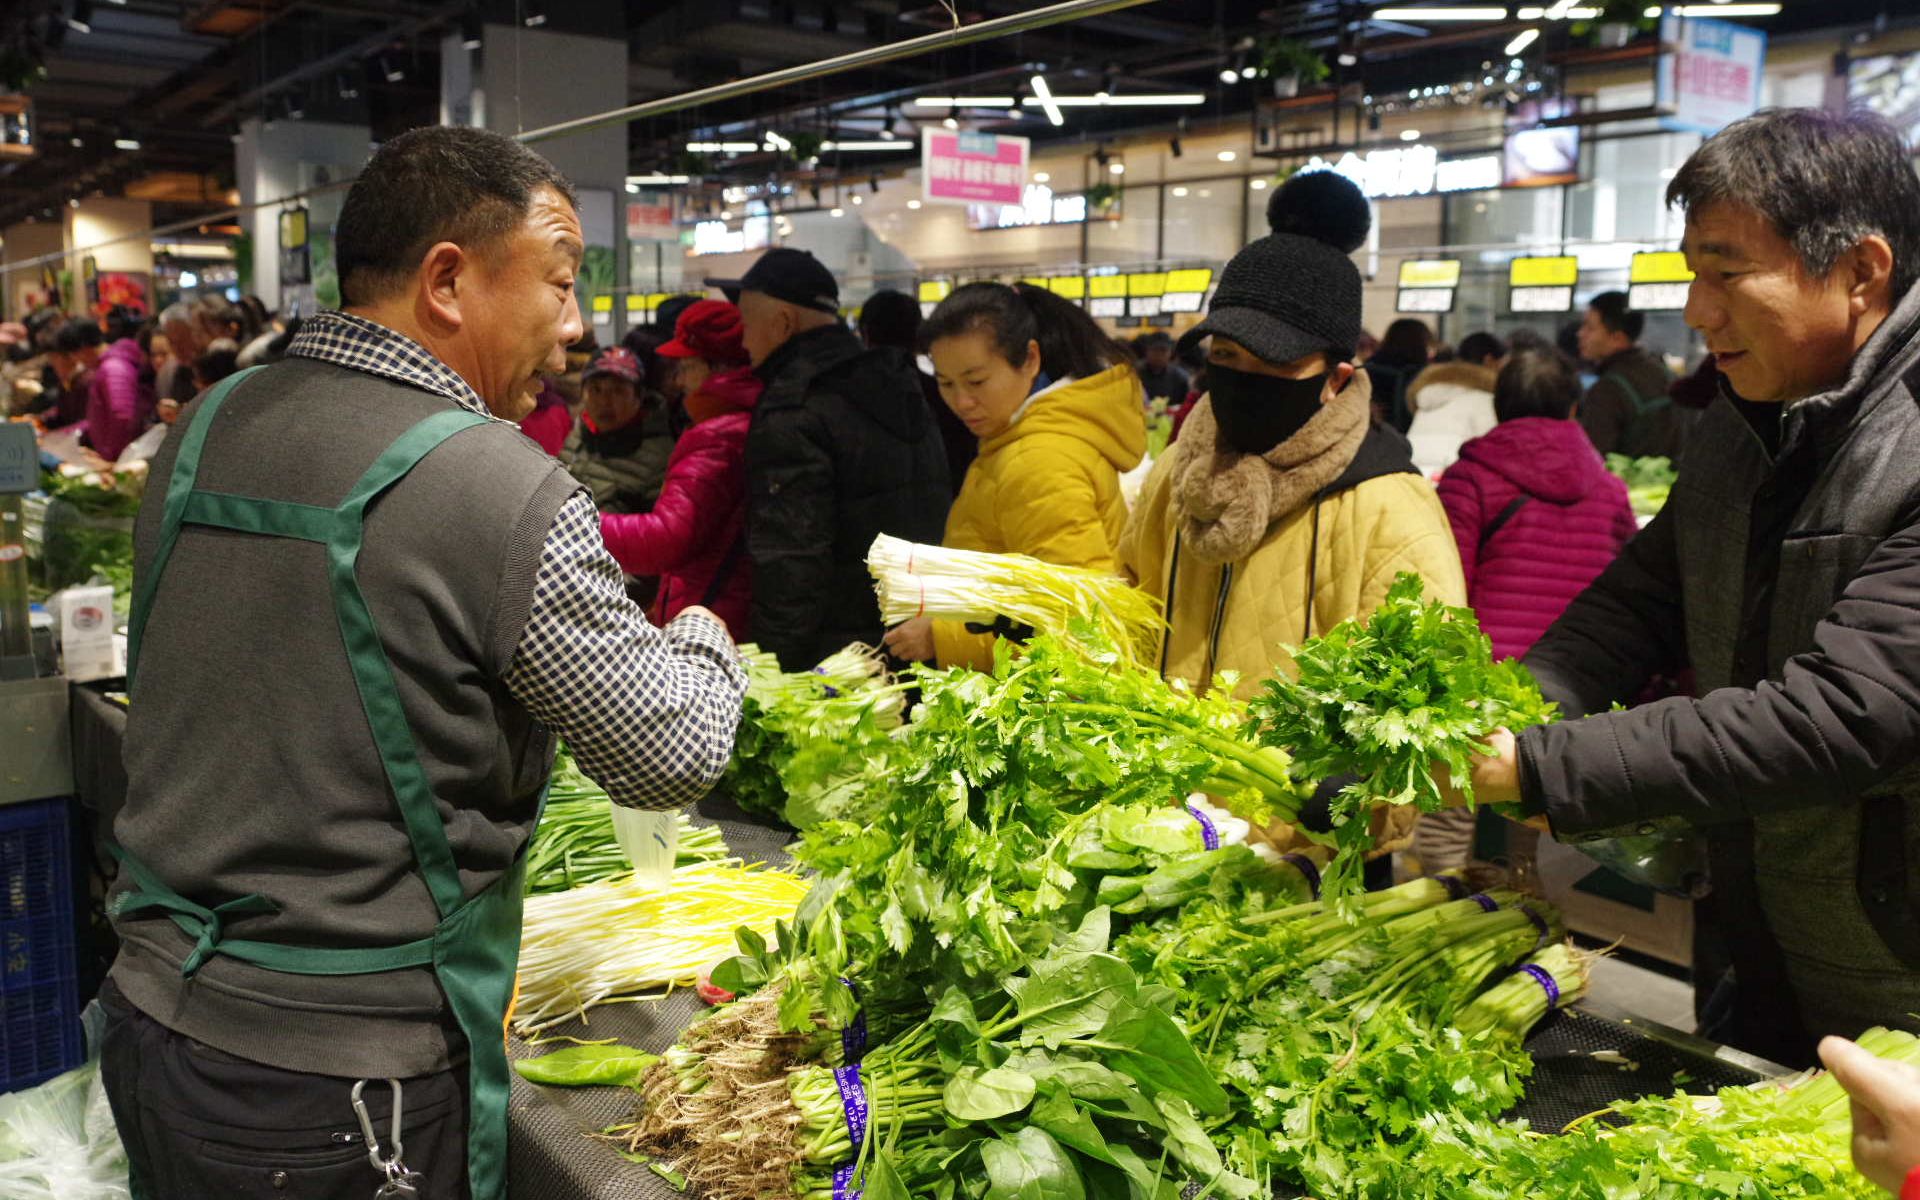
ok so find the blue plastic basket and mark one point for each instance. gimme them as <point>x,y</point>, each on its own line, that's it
<point>39,1001</point>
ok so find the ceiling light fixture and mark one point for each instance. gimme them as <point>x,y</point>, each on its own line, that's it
<point>776,142</point>
<point>1348,58</point>
<point>1042,177</point>
<point>1419,15</point>
<point>1527,37</point>
<point>1043,98</point>
<point>80,20</point>
<point>913,204</point>
<point>1118,168</point>
<point>963,102</point>
<point>1409,135</point>
<point>1258,185</point>
<point>1227,155</point>
<point>1727,10</point>
<point>874,147</point>
<point>859,199</point>
<point>1230,75</point>
<point>534,19</point>
<point>722,147</point>
<point>471,34</point>
<point>1107,100</point>
<point>952,121</point>
<point>655,180</point>
<point>391,69</point>
<point>838,212</point>
<point>126,143</point>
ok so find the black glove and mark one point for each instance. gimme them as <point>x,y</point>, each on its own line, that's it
<point>1004,627</point>
<point>1316,812</point>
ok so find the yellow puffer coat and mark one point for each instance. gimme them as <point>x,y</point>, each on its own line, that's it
<point>1049,487</point>
<point>1237,617</point>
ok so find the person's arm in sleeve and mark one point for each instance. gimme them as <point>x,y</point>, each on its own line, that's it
<point>1843,717</point>
<point>113,409</point>
<point>1624,629</point>
<point>1412,535</point>
<point>1605,412</point>
<point>1461,499</point>
<point>791,522</point>
<point>688,513</point>
<point>1047,510</point>
<point>649,713</point>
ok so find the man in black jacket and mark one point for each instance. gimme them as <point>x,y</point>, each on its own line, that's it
<point>1786,571</point>
<point>842,449</point>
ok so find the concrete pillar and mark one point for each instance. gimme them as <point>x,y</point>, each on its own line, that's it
<point>22,243</point>
<point>281,158</point>
<point>520,79</point>
<point>113,234</point>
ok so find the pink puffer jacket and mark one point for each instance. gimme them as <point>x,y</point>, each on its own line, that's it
<point>1573,521</point>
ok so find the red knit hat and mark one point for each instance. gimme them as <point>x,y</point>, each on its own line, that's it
<point>708,329</point>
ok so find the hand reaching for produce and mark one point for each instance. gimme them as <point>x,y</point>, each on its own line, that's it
<point>1886,1113</point>
<point>1496,774</point>
<point>911,641</point>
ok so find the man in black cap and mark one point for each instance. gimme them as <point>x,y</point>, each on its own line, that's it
<point>842,449</point>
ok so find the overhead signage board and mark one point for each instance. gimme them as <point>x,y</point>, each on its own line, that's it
<point>1658,281</point>
<point>650,217</point>
<point>1398,171</point>
<point>1039,205</point>
<point>1427,285</point>
<point>1537,155</point>
<point>1068,287</point>
<point>1709,73</point>
<point>973,168</point>
<point>932,292</point>
<point>1542,285</point>
<point>1186,290</point>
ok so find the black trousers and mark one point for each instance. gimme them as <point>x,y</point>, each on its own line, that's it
<point>200,1124</point>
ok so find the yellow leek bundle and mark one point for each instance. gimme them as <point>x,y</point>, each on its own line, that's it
<point>624,936</point>
<point>916,580</point>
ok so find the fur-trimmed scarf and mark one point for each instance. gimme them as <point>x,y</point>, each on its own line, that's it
<point>1226,501</point>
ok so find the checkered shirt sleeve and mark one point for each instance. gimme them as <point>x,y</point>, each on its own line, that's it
<point>649,713</point>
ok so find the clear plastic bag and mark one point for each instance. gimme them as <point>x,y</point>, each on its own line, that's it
<point>58,1141</point>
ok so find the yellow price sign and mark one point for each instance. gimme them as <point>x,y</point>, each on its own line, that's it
<point>1660,266</point>
<point>1556,271</point>
<point>933,291</point>
<point>603,304</point>
<point>1068,287</point>
<point>1107,287</point>
<point>1147,283</point>
<point>1430,272</point>
<point>1190,279</point>
<point>636,303</point>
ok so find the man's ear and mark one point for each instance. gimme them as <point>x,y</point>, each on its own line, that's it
<point>1338,377</point>
<point>444,278</point>
<point>1870,281</point>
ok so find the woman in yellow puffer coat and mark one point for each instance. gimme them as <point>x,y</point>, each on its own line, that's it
<point>1060,415</point>
<point>1282,510</point>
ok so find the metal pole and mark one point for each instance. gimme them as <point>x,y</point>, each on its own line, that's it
<point>1039,18</point>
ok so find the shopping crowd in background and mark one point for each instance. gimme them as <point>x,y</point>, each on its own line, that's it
<point>742,454</point>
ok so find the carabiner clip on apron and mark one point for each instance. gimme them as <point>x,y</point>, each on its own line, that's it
<point>476,944</point>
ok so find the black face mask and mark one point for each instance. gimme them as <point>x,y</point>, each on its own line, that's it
<point>1255,413</point>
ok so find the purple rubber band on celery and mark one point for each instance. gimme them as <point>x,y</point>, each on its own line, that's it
<point>1305,866</point>
<point>1547,985</point>
<point>1456,889</point>
<point>1540,923</point>
<point>1487,903</point>
<point>1209,836</point>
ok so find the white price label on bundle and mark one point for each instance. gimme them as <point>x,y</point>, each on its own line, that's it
<point>1657,297</point>
<point>1424,300</point>
<point>1541,299</point>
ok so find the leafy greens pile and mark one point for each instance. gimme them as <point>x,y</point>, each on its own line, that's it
<point>1389,699</point>
<point>1648,480</point>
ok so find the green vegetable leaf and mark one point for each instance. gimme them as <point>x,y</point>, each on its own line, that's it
<point>588,1066</point>
<point>1070,995</point>
<point>1145,1044</point>
<point>974,1094</point>
<point>1029,1165</point>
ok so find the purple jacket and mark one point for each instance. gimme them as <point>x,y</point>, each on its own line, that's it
<point>120,399</point>
<point>1573,522</point>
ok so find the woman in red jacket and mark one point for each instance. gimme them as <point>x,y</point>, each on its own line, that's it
<point>694,538</point>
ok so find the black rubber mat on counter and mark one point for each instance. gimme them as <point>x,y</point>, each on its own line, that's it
<point>1636,1059</point>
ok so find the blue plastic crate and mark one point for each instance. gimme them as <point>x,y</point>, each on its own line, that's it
<point>39,1001</point>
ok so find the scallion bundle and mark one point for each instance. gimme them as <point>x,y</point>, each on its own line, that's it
<point>916,580</point>
<point>623,937</point>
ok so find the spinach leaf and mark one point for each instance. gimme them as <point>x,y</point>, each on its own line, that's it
<point>588,1066</point>
<point>977,1094</point>
<point>1029,1165</point>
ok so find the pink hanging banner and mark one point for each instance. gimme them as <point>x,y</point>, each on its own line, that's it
<point>972,168</point>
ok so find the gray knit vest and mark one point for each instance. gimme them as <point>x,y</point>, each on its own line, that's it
<point>250,764</point>
<point>1830,920</point>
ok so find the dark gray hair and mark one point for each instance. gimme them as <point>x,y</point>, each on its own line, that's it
<point>1823,180</point>
<point>1535,383</point>
<point>435,184</point>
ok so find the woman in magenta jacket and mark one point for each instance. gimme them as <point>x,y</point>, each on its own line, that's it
<point>1535,513</point>
<point>694,538</point>
<point>120,398</point>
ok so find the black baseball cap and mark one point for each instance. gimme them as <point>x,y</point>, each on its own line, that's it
<point>794,276</point>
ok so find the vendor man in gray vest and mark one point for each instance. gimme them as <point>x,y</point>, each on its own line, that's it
<point>365,607</point>
<point>1786,571</point>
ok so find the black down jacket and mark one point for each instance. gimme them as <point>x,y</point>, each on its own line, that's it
<point>842,449</point>
<point>1787,574</point>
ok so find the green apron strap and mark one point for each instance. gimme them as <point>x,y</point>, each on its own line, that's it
<point>186,470</point>
<point>274,518</point>
<point>204,925</point>
<point>373,673</point>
